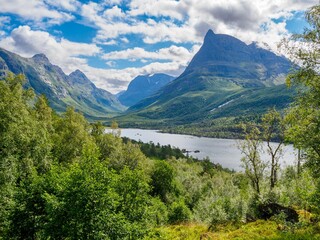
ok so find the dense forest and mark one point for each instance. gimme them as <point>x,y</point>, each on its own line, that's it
<point>62,177</point>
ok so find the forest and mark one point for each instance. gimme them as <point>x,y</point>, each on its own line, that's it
<point>62,177</point>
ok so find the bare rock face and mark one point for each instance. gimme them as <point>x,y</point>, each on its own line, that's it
<point>41,58</point>
<point>3,68</point>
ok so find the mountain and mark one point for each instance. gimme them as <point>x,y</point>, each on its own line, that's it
<point>142,87</point>
<point>61,90</point>
<point>226,78</point>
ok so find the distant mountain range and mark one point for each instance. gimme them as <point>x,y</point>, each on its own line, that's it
<point>142,87</point>
<point>61,90</point>
<point>225,78</point>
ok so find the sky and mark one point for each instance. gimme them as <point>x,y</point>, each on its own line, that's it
<point>113,41</point>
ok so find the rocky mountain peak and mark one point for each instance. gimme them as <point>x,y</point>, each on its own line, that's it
<point>77,73</point>
<point>41,58</point>
<point>78,77</point>
<point>209,35</point>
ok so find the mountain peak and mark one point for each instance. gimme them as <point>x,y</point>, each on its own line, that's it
<point>78,73</point>
<point>41,58</point>
<point>144,86</point>
<point>209,35</point>
<point>78,77</point>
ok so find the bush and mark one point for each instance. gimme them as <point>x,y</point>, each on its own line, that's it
<point>179,212</point>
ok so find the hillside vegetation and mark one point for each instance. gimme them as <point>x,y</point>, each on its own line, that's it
<point>63,178</point>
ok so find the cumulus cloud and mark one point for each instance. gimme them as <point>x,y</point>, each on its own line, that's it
<point>62,52</point>
<point>173,53</point>
<point>111,63</point>
<point>188,20</point>
<point>114,13</point>
<point>152,31</point>
<point>157,8</point>
<point>67,55</point>
<point>4,20</point>
<point>69,5</point>
<point>34,10</point>
<point>115,80</point>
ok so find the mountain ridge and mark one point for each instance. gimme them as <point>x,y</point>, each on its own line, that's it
<point>62,90</point>
<point>224,70</point>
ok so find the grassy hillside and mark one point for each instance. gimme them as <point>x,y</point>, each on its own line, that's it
<point>214,113</point>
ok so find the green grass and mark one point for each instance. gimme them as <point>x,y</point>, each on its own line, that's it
<point>258,230</point>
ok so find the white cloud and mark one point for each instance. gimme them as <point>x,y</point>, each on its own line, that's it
<point>188,20</point>
<point>112,2</point>
<point>69,5</point>
<point>125,40</point>
<point>115,80</point>
<point>67,55</point>
<point>151,31</point>
<point>173,53</point>
<point>111,63</point>
<point>157,8</point>
<point>4,20</point>
<point>35,10</point>
<point>61,52</point>
<point>152,21</point>
<point>106,43</point>
<point>114,13</point>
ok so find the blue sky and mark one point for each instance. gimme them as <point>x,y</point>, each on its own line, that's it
<point>113,41</point>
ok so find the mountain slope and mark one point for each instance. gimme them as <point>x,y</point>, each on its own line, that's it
<point>225,73</point>
<point>142,87</point>
<point>61,90</point>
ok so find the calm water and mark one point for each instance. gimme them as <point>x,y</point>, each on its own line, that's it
<point>223,151</point>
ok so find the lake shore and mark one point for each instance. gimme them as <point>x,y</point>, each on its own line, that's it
<point>219,150</point>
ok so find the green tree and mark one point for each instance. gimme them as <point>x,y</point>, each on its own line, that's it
<point>126,155</point>
<point>273,129</point>
<point>43,115</point>
<point>251,147</point>
<point>179,212</point>
<point>115,129</point>
<point>72,133</point>
<point>133,189</point>
<point>304,115</point>
<point>25,142</point>
<point>83,199</point>
<point>162,180</point>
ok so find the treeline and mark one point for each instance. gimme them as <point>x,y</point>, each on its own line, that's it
<point>158,151</point>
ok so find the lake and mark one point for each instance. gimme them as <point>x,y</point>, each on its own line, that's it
<point>223,151</point>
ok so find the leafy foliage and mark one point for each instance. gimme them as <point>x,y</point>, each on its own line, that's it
<point>303,117</point>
